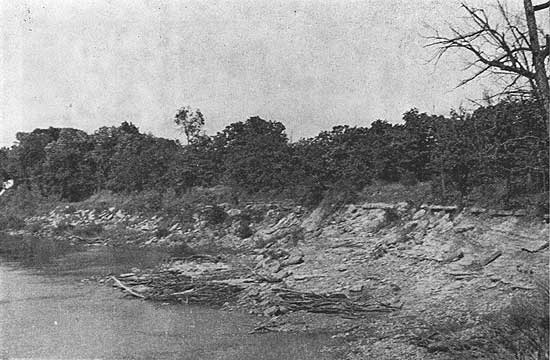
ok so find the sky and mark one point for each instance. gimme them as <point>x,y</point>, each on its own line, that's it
<point>308,64</point>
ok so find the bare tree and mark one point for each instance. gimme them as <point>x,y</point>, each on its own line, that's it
<point>509,49</point>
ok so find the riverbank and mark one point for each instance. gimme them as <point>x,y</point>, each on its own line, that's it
<point>394,280</point>
<point>47,311</point>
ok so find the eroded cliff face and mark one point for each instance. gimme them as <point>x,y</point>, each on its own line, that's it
<point>413,265</point>
<point>433,263</point>
<point>505,248</point>
<point>390,252</point>
<point>428,252</point>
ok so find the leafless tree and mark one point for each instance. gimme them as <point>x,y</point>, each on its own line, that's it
<point>507,46</point>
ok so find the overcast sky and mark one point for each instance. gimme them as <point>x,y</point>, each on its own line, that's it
<point>308,64</point>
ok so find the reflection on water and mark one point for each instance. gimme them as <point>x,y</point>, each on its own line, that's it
<point>46,312</point>
<point>61,258</point>
<point>30,249</point>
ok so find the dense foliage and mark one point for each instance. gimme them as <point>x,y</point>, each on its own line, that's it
<point>499,151</point>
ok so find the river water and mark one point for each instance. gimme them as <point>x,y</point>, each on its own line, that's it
<point>48,312</point>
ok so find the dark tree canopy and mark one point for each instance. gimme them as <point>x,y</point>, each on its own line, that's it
<point>500,149</point>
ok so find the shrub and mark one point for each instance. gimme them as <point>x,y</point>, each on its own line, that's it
<point>392,216</point>
<point>214,215</point>
<point>34,227</point>
<point>408,178</point>
<point>519,331</point>
<point>183,207</point>
<point>180,248</point>
<point>253,214</point>
<point>243,230</point>
<point>162,231</point>
<point>296,235</point>
<point>23,202</point>
<point>204,196</point>
<point>62,227</point>
<point>308,196</point>
<point>88,229</point>
<point>11,221</point>
<point>68,209</point>
<point>103,200</point>
<point>522,329</point>
<point>143,202</point>
<point>540,204</point>
<point>335,199</point>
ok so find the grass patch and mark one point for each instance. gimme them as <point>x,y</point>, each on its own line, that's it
<point>520,331</point>
<point>416,194</point>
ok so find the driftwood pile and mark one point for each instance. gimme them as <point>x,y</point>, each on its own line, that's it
<point>192,291</point>
<point>179,288</point>
<point>124,287</point>
<point>289,300</point>
<point>337,303</point>
<point>198,281</point>
<point>166,286</point>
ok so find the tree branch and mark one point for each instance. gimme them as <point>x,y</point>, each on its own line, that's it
<point>505,50</point>
<point>542,6</point>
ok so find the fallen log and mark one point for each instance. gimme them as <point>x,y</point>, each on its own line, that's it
<point>126,288</point>
<point>338,304</point>
<point>262,329</point>
<point>203,292</point>
<point>451,208</point>
<point>376,206</point>
<point>453,257</point>
<point>462,275</point>
<point>491,258</point>
<point>542,247</point>
<point>183,292</point>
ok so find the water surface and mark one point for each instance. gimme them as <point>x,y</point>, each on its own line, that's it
<point>46,311</point>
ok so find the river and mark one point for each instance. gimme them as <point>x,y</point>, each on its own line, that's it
<point>48,312</point>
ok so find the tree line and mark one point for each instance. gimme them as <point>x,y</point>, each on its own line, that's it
<point>500,149</point>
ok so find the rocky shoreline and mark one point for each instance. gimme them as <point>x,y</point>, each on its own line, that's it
<point>380,275</point>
